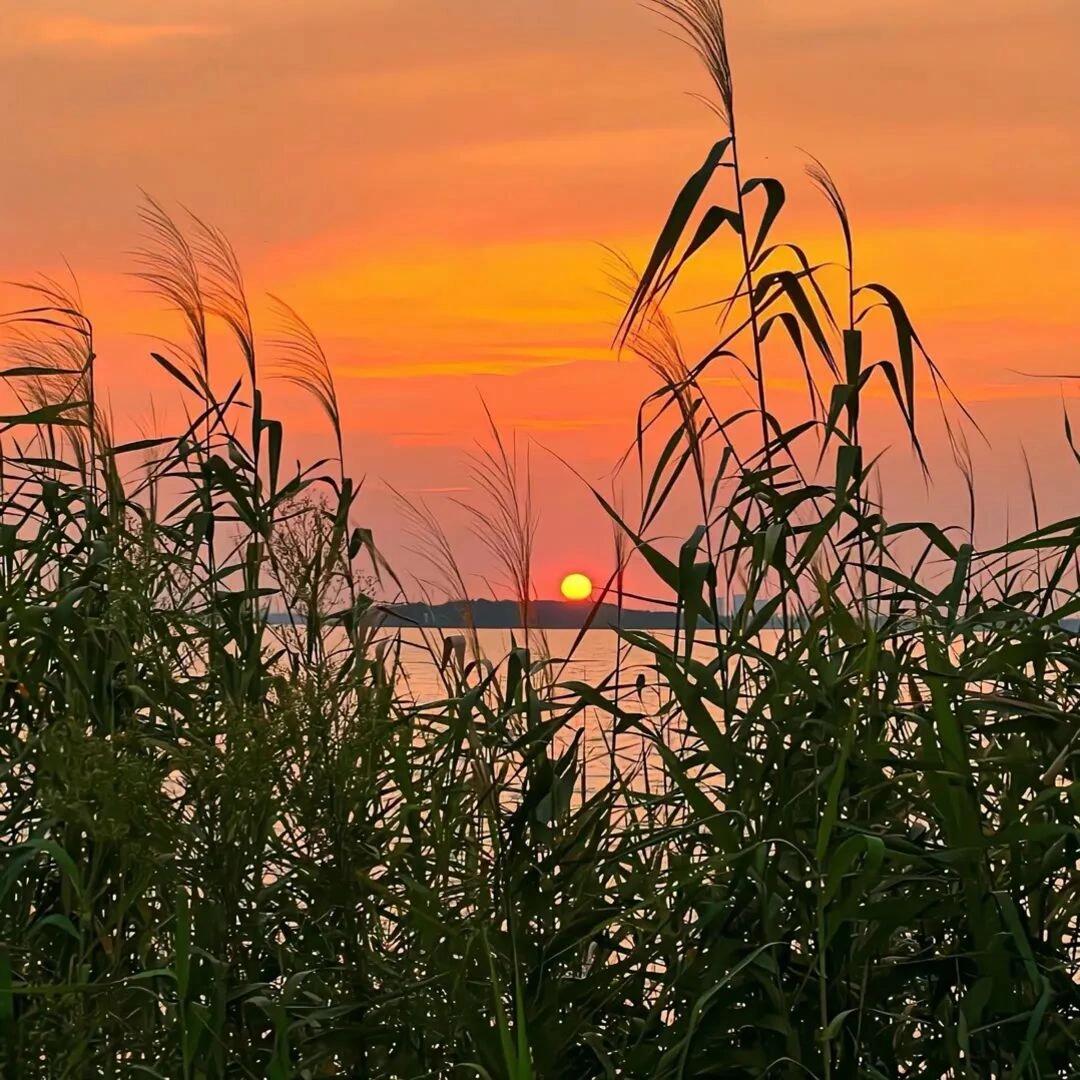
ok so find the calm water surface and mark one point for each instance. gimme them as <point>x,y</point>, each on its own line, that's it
<point>591,661</point>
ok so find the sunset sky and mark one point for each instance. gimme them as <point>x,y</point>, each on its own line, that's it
<point>430,184</point>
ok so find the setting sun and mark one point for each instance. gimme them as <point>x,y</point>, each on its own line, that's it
<point>576,587</point>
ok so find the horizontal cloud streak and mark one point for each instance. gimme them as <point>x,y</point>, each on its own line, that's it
<point>30,33</point>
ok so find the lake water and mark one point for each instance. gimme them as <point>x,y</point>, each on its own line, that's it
<point>592,661</point>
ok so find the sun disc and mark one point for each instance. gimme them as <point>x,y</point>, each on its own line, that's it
<point>576,587</point>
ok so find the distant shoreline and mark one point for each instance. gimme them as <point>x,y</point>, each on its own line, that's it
<point>506,615</point>
<point>543,615</point>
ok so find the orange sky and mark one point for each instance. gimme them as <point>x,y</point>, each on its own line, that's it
<point>429,183</point>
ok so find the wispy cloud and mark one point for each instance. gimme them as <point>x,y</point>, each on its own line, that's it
<point>70,31</point>
<point>425,438</point>
<point>474,362</point>
<point>554,423</point>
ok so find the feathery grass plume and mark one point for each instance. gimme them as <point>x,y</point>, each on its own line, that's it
<point>434,545</point>
<point>655,341</point>
<point>704,30</point>
<point>221,283</point>
<point>824,182</point>
<point>169,266</point>
<point>225,297</point>
<point>506,523</point>
<point>822,179</point>
<point>302,362</point>
<point>700,23</point>
<point>52,345</point>
<point>653,338</point>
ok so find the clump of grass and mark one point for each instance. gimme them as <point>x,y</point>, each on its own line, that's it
<point>870,774</point>
<point>231,848</point>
